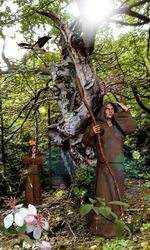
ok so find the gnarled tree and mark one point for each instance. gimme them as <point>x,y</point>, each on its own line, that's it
<point>77,45</point>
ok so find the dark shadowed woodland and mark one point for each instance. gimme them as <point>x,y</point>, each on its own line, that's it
<point>48,92</point>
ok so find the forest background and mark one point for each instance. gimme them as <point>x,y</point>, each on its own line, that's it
<point>106,49</point>
<point>39,97</point>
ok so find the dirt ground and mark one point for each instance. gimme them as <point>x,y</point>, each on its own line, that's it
<point>68,229</point>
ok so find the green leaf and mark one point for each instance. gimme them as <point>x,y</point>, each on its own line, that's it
<point>120,203</point>
<point>127,228</point>
<point>96,210</point>
<point>22,230</point>
<point>21,243</point>
<point>120,226</point>
<point>76,190</point>
<point>147,63</point>
<point>85,209</point>
<point>104,211</point>
<point>146,225</point>
<point>10,230</point>
<point>92,200</point>
<point>101,201</point>
<point>115,216</point>
<point>3,229</point>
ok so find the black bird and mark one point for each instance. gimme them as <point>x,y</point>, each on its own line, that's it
<point>37,45</point>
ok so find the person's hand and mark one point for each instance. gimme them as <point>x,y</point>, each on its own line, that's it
<point>33,156</point>
<point>123,106</point>
<point>96,129</point>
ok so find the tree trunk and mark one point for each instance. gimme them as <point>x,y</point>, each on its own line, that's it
<point>75,65</point>
<point>49,146</point>
<point>3,149</point>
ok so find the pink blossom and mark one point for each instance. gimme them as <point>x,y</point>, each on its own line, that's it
<point>19,216</point>
<point>45,245</point>
<point>11,202</point>
<point>62,185</point>
<point>15,215</point>
<point>35,222</point>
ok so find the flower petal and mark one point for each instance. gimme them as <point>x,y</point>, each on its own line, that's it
<point>19,206</point>
<point>37,232</point>
<point>30,219</point>
<point>19,220</point>
<point>45,245</point>
<point>46,225</point>
<point>29,228</point>
<point>8,220</point>
<point>23,212</point>
<point>32,209</point>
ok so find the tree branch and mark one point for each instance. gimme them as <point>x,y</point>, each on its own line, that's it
<point>138,3</point>
<point>36,97</point>
<point>53,17</point>
<point>15,69</point>
<point>129,12</point>
<point>148,44</point>
<point>99,142</point>
<point>128,24</point>
<point>139,101</point>
<point>5,59</point>
<point>139,16</point>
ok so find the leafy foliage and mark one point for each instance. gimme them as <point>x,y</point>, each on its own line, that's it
<point>137,167</point>
<point>118,244</point>
<point>100,207</point>
<point>83,181</point>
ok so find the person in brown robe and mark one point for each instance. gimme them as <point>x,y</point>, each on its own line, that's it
<point>113,126</point>
<point>33,163</point>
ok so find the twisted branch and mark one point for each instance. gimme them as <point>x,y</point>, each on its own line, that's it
<point>81,92</point>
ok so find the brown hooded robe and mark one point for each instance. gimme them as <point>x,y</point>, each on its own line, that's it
<point>112,142</point>
<point>33,184</point>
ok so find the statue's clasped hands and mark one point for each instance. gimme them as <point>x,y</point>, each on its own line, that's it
<point>33,156</point>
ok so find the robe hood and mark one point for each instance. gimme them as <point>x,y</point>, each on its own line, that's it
<point>101,115</point>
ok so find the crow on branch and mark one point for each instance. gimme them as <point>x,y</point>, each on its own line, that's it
<point>37,45</point>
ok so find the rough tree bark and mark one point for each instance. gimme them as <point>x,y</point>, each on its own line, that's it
<point>75,63</point>
<point>77,46</point>
<point>2,152</point>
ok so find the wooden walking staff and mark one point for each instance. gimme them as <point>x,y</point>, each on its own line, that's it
<point>81,92</point>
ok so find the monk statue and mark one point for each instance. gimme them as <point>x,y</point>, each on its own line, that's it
<point>33,163</point>
<point>113,127</point>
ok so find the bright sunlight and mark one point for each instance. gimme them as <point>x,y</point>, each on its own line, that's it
<point>96,9</point>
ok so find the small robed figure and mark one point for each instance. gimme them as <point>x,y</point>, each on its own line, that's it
<point>33,162</point>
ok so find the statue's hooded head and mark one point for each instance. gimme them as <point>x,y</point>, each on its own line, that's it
<point>33,149</point>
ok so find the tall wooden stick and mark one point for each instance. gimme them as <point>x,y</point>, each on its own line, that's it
<point>81,92</point>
